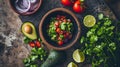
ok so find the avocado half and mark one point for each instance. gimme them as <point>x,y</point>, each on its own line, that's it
<point>33,34</point>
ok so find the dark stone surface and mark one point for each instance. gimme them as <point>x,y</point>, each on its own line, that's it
<point>12,48</point>
<point>15,50</point>
<point>93,7</point>
<point>115,7</point>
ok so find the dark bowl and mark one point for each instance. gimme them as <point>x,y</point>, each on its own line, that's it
<point>11,2</point>
<point>46,21</point>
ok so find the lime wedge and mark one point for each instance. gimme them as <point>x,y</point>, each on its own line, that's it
<point>78,56</point>
<point>71,64</point>
<point>89,21</point>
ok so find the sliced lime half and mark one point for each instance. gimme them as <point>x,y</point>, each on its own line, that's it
<point>89,20</point>
<point>71,64</point>
<point>78,56</point>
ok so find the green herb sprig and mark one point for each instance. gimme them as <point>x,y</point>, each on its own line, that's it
<point>36,55</point>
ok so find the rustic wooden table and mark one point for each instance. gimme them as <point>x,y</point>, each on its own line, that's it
<point>14,49</point>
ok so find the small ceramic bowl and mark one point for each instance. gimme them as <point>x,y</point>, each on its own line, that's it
<point>46,21</point>
<point>12,4</point>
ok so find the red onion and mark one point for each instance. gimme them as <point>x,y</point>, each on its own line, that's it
<point>33,4</point>
<point>22,5</point>
<point>33,7</point>
<point>25,5</point>
<point>33,1</point>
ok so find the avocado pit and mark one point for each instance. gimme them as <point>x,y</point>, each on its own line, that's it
<point>28,29</point>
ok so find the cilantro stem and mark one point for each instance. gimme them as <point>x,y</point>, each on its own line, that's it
<point>110,50</point>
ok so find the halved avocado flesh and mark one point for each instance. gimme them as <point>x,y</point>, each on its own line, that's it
<point>31,35</point>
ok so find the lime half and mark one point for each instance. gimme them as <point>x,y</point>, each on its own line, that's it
<point>71,64</point>
<point>89,21</point>
<point>78,56</point>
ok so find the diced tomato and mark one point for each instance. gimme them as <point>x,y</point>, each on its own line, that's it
<point>65,20</point>
<point>57,18</point>
<point>62,36</point>
<point>32,44</point>
<point>60,43</point>
<point>63,17</point>
<point>67,34</point>
<point>59,38</point>
<point>37,43</point>
<point>61,32</point>
<point>56,24</point>
<point>64,31</point>
<point>60,22</point>
<point>58,30</point>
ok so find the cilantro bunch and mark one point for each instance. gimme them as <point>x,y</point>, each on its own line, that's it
<point>100,43</point>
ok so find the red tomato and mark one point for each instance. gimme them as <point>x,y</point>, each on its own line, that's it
<point>58,30</point>
<point>63,17</point>
<point>60,43</point>
<point>59,38</point>
<point>65,36</point>
<point>78,7</point>
<point>60,21</point>
<point>67,2</point>
<point>57,18</point>
<point>56,24</point>
<point>61,32</point>
<point>37,43</point>
<point>64,20</point>
<point>32,44</point>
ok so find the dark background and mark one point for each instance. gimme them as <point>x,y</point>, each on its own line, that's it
<point>10,22</point>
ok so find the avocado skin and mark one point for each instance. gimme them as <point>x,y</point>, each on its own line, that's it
<point>31,36</point>
<point>54,58</point>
